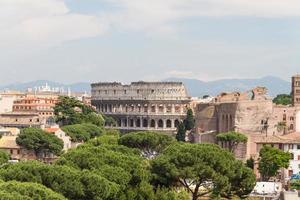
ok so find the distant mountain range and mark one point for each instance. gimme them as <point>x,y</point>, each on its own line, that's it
<point>196,88</point>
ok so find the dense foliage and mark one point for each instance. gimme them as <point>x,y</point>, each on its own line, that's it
<point>206,166</point>
<point>283,99</point>
<point>233,139</point>
<point>13,190</point>
<point>4,157</point>
<point>189,122</point>
<point>110,167</point>
<point>69,111</point>
<point>40,141</point>
<point>271,160</point>
<point>150,143</point>
<point>82,132</point>
<point>181,132</point>
<point>72,183</point>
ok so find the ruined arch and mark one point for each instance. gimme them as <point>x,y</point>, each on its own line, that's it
<point>145,123</point>
<point>153,123</point>
<point>160,123</point>
<point>169,123</point>
<point>176,123</point>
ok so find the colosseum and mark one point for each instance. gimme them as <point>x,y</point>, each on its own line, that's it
<point>141,105</point>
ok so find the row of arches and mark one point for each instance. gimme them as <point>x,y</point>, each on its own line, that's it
<point>141,108</point>
<point>147,123</point>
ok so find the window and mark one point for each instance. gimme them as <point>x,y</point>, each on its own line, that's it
<point>291,146</point>
<point>298,157</point>
<point>298,146</point>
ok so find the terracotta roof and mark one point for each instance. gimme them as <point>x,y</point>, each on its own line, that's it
<point>9,142</point>
<point>291,138</point>
<point>51,130</point>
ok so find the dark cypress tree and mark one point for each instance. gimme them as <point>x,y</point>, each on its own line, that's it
<point>180,136</point>
<point>189,122</point>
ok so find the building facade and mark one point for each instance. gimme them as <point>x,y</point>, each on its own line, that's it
<point>31,104</point>
<point>156,106</point>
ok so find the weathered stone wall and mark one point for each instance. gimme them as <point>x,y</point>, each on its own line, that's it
<point>142,105</point>
<point>139,90</point>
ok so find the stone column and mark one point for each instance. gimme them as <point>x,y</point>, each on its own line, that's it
<point>156,108</point>
<point>173,109</point>
<point>164,108</point>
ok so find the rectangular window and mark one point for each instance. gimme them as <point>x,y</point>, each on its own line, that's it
<point>298,146</point>
<point>291,146</point>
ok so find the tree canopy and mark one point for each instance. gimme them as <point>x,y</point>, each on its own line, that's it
<point>82,132</point>
<point>181,132</point>
<point>4,157</point>
<point>283,99</point>
<point>40,141</point>
<point>189,122</point>
<point>13,190</point>
<point>233,139</point>
<point>271,160</point>
<point>72,183</point>
<point>150,143</point>
<point>206,166</point>
<point>69,111</point>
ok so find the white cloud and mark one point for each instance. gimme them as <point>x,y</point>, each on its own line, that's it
<point>43,23</point>
<point>156,15</point>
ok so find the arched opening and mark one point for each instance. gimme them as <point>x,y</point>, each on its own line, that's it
<point>125,123</point>
<point>169,123</point>
<point>119,122</point>
<point>131,122</point>
<point>153,108</point>
<point>176,123</point>
<point>160,123</point>
<point>138,123</point>
<point>152,123</point>
<point>145,123</point>
<point>161,108</point>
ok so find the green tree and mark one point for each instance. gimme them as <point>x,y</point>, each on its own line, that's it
<point>72,183</point>
<point>118,165</point>
<point>4,157</point>
<point>82,132</point>
<point>195,166</point>
<point>189,122</point>
<point>150,143</point>
<point>281,126</point>
<point>94,118</point>
<point>69,110</point>
<point>283,99</point>
<point>250,163</point>
<point>14,190</point>
<point>40,141</point>
<point>181,131</point>
<point>233,139</point>
<point>110,121</point>
<point>271,160</point>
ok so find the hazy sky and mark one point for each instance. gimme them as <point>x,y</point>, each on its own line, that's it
<point>129,40</point>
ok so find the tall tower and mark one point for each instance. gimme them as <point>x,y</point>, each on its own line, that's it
<point>296,90</point>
